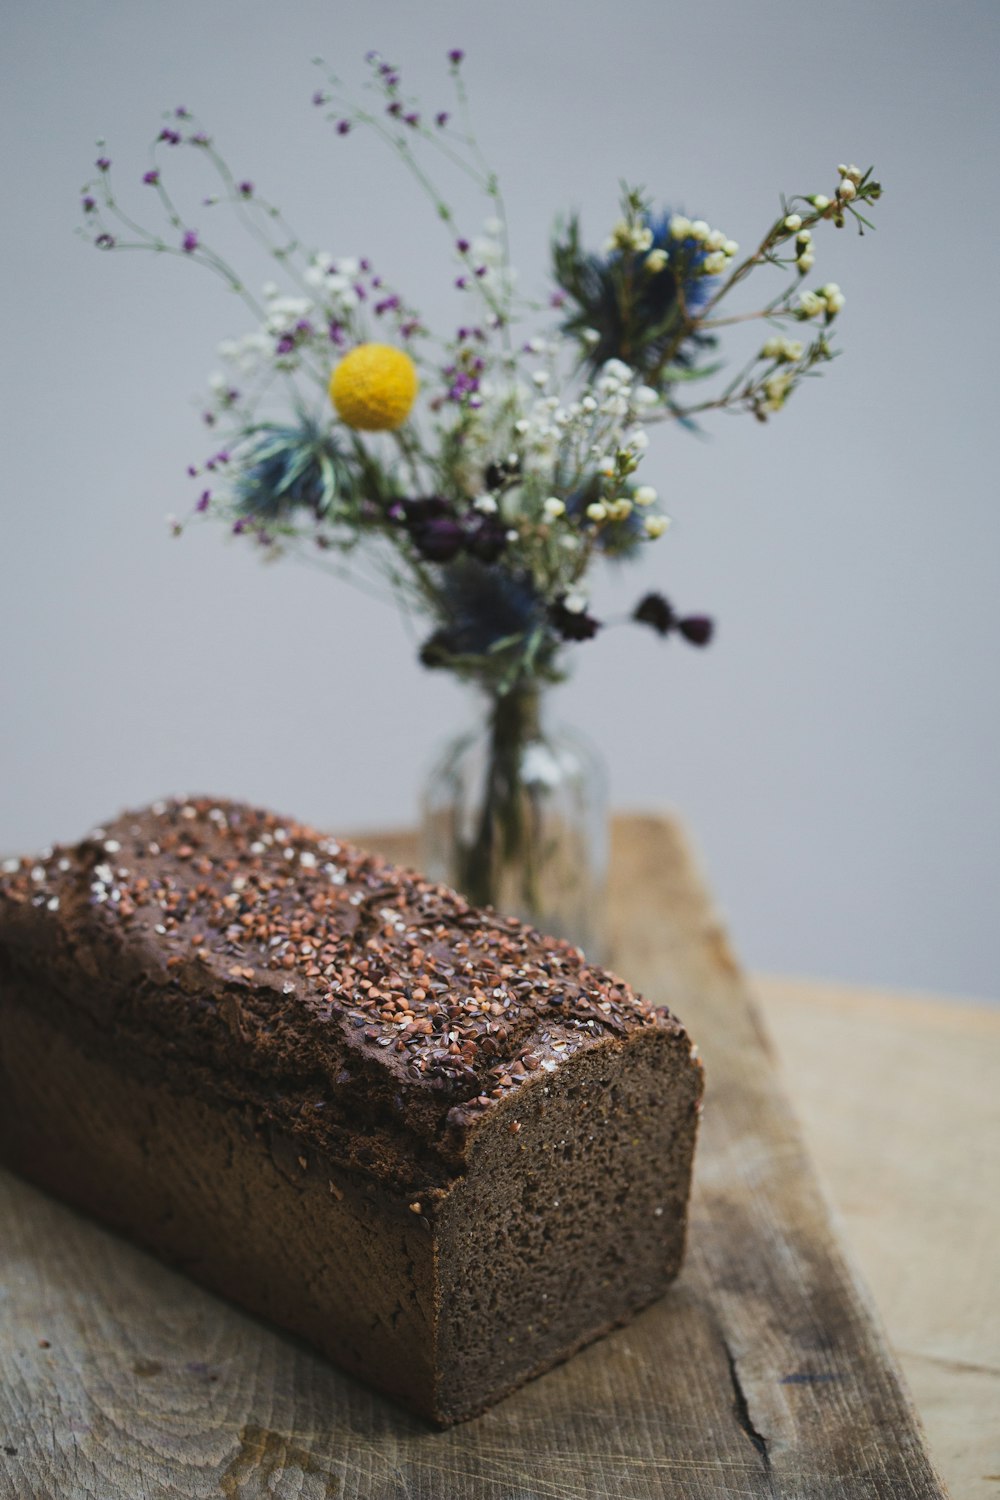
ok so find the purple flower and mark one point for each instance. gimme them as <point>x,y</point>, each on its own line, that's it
<point>442,118</point>
<point>285,344</point>
<point>336,332</point>
<point>152,177</point>
<point>461,282</point>
<point>239,527</point>
<point>395,108</point>
<point>102,163</point>
<point>409,328</point>
<point>319,98</point>
<point>455,56</point>
<point>246,189</point>
<point>199,139</point>
<point>573,625</point>
<point>488,540</point>
<point>558,299</point>
<point>343,126</point>
<point>657,612</point>
<point>88,205</point>
<point>359,291</point>
<point>654,610</point>
<point>696,629</point>
<point>182,113</point>
<point>172,137</point>
<point>439,540</point>
<point>388,304</point>
<point>413,120</point>
<point>190,241</point>
<point>105,242</point>
<point>462,246</point>
<point>365,265</point>
<point>203,500</point>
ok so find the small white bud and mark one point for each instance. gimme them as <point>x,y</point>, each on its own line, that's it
<point>540,378</point>
<point>810,304</point>
<point>730,248</point>
<point>803,237</point>
<point>597,511</point>
<point>553,508</point>
<point>620,509</point>
<point>642,239</point>
<point>655,261</point>
<point>714,263</point>
<point>644,495</point>
<point>575,602</point>
<point>820,201</point>
<point>715,240</point>
<point>591,336</point>
<point>700,230</point>
<point>521,427</point>
<point>588,404</point>
<point>847,190</point>
<point>793,222</point>
<point>806,261</point>
<point>485,504</point>
<point>680,228</point>
<point>655,526</point>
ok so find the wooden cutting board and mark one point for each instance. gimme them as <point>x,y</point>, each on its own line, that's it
<point>764,1372</point>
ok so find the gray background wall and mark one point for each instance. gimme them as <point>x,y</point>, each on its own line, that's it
<point>835,754</point>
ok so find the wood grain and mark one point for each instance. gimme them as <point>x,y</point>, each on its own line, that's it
<point>899,1097</point>
<point>764,1372</point>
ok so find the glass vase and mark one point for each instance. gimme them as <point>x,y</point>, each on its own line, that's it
<point>515,817</point>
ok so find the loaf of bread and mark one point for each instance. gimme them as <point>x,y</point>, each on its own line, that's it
<point>436,1144</point>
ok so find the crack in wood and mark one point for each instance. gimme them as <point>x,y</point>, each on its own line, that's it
<point>742,1408</point>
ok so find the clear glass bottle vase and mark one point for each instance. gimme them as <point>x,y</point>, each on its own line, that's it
<point>515,816</point>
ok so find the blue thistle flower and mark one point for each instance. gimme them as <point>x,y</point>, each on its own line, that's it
<point>483,606</point>
<point>634,310</point>
<point>286,468</point>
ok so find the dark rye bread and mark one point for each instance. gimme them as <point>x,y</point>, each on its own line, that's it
<point>438,1145</point>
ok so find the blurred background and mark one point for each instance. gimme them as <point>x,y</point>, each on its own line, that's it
<point>834,754</point>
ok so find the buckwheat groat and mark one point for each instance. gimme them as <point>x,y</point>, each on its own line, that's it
<point>438,1145</point>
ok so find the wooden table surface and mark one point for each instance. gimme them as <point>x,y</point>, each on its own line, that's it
<point>899,1100</point>
<point>764,1374</point>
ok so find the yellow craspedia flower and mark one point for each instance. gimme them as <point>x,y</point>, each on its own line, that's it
<point>374,387</point>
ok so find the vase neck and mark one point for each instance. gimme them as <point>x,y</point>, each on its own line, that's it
<point>516,717</point>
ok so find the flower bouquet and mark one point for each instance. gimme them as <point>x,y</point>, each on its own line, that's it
<point>479,478</point>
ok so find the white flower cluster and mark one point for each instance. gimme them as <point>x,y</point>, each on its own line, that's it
<point>334,278</point>
<point>804,257</point>
<point>850,179</point>
<point>776,389</point>
<point>248,354</point>
<point>785,351</point>
<point>600,431</point>
<point>827,299</point>
<point>629,237</point>
<point>720,248</point>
